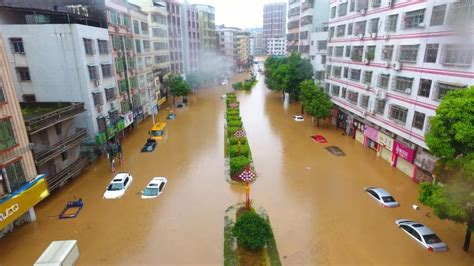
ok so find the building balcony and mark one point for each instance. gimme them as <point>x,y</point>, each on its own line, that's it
<point>39,116</point>
<point>44,154</point>
<point>74,169</point>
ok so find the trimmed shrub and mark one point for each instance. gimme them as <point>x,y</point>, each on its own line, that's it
<point>234,123</point>
<point>233,112</point>
<point>252,231</point>
<point>233,141</point>
<point>233,118</point>
<point>244,150</point>
<point>237,164</point>
<point>231,131</point>
<point>237,85</point>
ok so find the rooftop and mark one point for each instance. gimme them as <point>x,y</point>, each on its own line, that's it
<point>40,115</point>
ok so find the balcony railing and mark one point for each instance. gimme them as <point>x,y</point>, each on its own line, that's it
<point>36,122</point>
<point>51,152</point>
<point>71,171</point>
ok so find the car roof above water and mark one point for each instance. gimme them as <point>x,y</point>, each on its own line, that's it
<point>382,192</point>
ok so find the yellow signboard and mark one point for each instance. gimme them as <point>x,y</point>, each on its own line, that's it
<point>161,101</point>
<point>20,201</point>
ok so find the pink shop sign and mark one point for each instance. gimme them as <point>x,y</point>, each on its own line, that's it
<point>403,151</point>
<point>371,133</point>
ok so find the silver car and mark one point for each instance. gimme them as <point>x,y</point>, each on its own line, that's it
<point>382,197</point>
<point>422,234</point>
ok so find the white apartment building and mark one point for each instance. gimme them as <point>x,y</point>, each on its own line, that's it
<point>64,63</point>
<point>389,63</point>
<point>317,54</point>
<point>276,46</point>
<point>227,44</point>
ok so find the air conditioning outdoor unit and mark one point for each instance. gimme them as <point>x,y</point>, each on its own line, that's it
<point>96,82</point>
<point>397,66</point>
<point>373,35</point>
<point>386,64</point>
<point>113,106</point>
<point>363,11</point>
<point>391,3</point>
<point>380,94</point>
<point>360,36</point>
<point>364,112</point>
<point>365,61</point>
<point>408,90</point>
<point>366,86</point>
<point>386,37</point>
<point>421,25</point>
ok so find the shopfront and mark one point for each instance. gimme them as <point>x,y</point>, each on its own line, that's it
<point>402,158</point>
<point>341,119</point>
<point>19,202</point>
<point>425,164</point>
<point>359,130</point>
<point>385,147</point>
<point>138,115</point>
<point>371,136</point>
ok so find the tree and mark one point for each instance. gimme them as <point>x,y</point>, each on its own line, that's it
<point>451,139</point>
<point>177,85</point>
<point>252,231</point>
<point>315,101</point>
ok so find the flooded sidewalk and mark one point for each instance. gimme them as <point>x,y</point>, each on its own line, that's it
<point>318,210</point>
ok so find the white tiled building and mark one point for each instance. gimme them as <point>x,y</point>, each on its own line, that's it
<point>389,63</point>
<point>276,46</point>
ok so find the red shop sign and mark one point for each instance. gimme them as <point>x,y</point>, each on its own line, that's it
<point>403,151</point>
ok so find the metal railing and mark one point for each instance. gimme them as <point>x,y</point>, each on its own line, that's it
<point>42,121</point>
<point>52,151</point>
<point>71,171</point>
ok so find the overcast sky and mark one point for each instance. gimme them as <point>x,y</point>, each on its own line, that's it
<point>238,13</point>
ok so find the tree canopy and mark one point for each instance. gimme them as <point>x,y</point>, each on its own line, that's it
<point>315,101</point>
<point>451,139</point>
<point>177,85</point>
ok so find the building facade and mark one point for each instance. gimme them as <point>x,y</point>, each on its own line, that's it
<point>274,22</point>
<point>207,27</point>
<point>389,64</point>
<point>228,46</point>
<point>191,38</point>
<point>276,46</point>
<point>242,41</point>
<point>175,36</point>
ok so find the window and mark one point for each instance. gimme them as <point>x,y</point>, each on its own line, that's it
<point>398,113</point>
<point>64,156</point>
<point>110,94</point>
<point>144,28</point>
<point>319,75</point>
<point>370,53</point>
<point>437,16</point>
<point>408,53</point>
<point>342,9</point>
<point>328,69</point>
<point>146,45</point>
<point>367,77</point>
<point>7,138</point>
<point>333,12</point>
<point>380,107</point>
<point>362,5</point>
<point>106,70</point>
<point>352,6</point>
<point>364,103</point>
<point>457,55</point>
<point>326,87</point>
<point>443,88</point>
<point>391,23</point>
<point>418,120</point>
<point>329,51</point>
<point>138,47</point>
<point>360,27</point>
<point>356,53</point>
<point>343,92</point>
<point>337,71</point>
<point>93,74</point>
<point>339,51</point>
<point>323,59</point>
<point>16,175</point>
<point>89,46</point>
<point>355,74</point>
<point>346,72</point>
<point>2,93</point>
<point>387,52</point>
<point>17,45</point>
<point>376,3</point>
<point>23,73</point>
<point>58,128</point>
<point>102,122</point>
<point>414,19</point>
<point>460,12</point>
<point>103,46</point>
<point>431,53</point>
<point>341,30</point>
<point>352,97</point>
<point>113,17</point>
<point>374,25</point>
<point>425,88</point>
<point>335,90</point>
<point>383,81</point>
<point>403,84</point>
<point>331,32</point>
<point>97,98</point>
<point>349,29</point>
<point>136,27</point>
<point>322,45</point>
<point>348,51</point>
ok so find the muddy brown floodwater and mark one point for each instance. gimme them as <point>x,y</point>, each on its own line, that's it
<point>315,201</point>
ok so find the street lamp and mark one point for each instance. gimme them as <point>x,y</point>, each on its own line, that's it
<point>247,175</point>
<point>239,134</point>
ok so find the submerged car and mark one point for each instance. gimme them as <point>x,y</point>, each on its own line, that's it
<point>117,187</point>
<point>149,146</point>
<point>171,117</point>
<point>298,118</point>
<point>180,105</point>
<point>382,197</point>
<point>422,234</point>
<point>154,188</point>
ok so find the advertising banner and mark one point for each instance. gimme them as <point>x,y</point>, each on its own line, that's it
<point>371,133</point>
<point>403,151</point>
<point>385,141</point>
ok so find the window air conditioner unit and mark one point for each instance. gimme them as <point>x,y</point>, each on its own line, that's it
<point>363,11</point>
<point>96,82</point>
<point>373,35</point>
<point>397,66</point>
<point>366,86</point>
<point>360,36</point>
<point>408,90</point>
<point>365,61</point>
<point>421,25</point>
<point>386,64</point>
<point>380,94</point>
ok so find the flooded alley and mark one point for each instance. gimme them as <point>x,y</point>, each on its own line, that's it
<point>315,201</point>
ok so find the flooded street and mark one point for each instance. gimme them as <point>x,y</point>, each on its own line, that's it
<point>315,201</point>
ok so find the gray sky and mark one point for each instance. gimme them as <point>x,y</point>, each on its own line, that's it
<point>238,13</point>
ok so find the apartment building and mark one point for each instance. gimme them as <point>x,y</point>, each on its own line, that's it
<point>242,43</point>
<point>191,38</point>
<point>256,42</point>
<point>207,27</point>
<point>276,46</point>
<point>274,22</point>
<point>227,45</point>
<point>389,64</point>
<point>175,36</point>
<point>20,186</point>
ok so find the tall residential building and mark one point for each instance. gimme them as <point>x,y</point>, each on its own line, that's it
<point>256,42</point>
<point>207,27</point>
<point>175,35</point>
<point>18,176</point>
<point>276,46</point>
<point>191,38</point>
<point>242,46</point>
<point>303,18</point>
<point>227,45</point>
<point>274,22</point>
<point>389,64</point>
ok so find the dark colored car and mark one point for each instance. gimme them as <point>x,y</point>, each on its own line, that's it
<point>149,146</point>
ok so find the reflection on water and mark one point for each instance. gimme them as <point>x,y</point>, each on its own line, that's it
<point>315,200</point>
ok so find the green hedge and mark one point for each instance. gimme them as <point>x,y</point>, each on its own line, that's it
<point>237,164</point>
<point>237,85</point>
<point>233,118</point>
<point>234,150</point>
<point>231,131</point>
<point>234,141</point>
<point>252,231</point>
<point>234,123</point>
<point>233,112</point>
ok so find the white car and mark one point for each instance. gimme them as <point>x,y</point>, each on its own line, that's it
<point>382,197</point>
<point>224,96</point>
<point>224,82</point>
<point>117,187</point>
<point>422,234</point>
<point>298,118</point>
<point>154,188</point>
